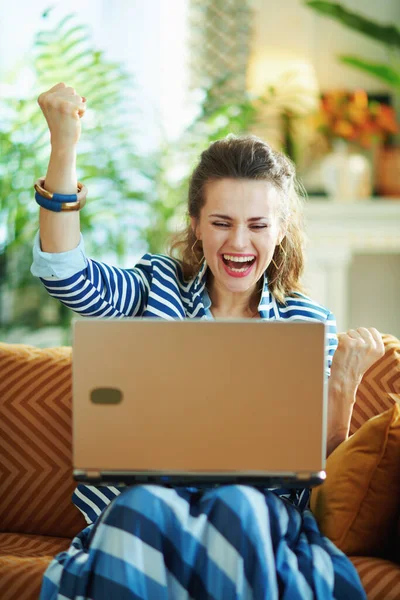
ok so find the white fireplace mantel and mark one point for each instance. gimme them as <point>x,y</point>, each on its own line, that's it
<point>339,231</point>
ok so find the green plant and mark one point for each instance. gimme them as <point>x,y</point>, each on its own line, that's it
<point>107,162</point>
<point>388,35</point>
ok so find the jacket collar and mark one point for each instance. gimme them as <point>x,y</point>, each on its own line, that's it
<point>267,306</point>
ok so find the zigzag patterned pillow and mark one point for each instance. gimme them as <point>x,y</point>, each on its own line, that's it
<point>36,480</point>
<point>381,380</point>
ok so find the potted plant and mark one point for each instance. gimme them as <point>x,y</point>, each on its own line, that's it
<point>351,124</point>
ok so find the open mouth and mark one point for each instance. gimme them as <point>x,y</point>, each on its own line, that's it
<point>239,264</point>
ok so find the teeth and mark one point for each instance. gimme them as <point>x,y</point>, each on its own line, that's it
<point>238,258</point>
<point>242,270</point>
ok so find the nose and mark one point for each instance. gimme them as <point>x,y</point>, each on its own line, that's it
<point>239,238</point>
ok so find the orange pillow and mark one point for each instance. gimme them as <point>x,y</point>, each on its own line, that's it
<point>36,482</point>
<point>357,506</point>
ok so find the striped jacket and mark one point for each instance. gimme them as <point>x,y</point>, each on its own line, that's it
<point>153,288</point>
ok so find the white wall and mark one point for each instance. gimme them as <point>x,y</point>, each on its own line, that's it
<point>374,292</point>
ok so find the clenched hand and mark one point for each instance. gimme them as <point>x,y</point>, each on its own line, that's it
<point>63,109</point>
<point>357,351</point>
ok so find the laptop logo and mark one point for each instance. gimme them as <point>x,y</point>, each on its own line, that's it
<point>106,396</point>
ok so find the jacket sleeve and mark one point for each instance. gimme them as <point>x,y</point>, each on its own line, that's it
<point>92,288</point>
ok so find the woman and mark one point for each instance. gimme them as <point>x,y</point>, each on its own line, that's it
<point>241,256</point>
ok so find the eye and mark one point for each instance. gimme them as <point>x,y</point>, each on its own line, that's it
<point>259,226</point>
<point>219,224</point>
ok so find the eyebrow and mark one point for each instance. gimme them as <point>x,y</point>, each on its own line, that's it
<point>226,217</point>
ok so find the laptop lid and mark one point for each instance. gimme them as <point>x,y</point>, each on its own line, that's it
<point>199,398</point>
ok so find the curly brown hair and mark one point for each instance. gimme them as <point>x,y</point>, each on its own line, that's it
<point>248,157</point>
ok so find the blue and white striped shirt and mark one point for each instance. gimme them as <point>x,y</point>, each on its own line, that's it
<point>153,288</point>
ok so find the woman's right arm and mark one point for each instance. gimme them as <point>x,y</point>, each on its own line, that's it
<point>85,286</point>
<point>60,232</point>
<point>63,109</point>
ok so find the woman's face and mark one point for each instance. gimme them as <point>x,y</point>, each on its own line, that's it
<point>239,227</point>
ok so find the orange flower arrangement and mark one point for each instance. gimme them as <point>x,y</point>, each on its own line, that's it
<point>355,118</point>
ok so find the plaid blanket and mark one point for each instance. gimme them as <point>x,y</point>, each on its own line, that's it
<point>228,542</point>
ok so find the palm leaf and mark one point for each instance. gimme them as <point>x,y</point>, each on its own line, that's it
<point>381,71</point>
<point>388,34</point>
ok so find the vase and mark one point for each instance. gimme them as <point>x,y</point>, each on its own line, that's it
<point>346,174</point>
<point>388,180</point>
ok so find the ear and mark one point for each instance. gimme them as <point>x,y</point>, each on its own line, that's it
<point>195,226</point>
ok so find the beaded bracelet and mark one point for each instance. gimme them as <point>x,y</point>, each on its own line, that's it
<point>59,202</point>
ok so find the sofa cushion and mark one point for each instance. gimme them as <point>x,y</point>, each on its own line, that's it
<point>23,560</point>
<point>357,506</point>
<point>380,578</point>
<point>36,482</point>
<point>381,380</point>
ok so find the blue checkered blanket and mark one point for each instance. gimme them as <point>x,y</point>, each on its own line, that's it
<point>230,542</point>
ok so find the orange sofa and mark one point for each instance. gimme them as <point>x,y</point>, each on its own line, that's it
<point>37,517</point>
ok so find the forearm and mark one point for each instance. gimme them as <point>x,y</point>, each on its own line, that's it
<point>341,399</point>
<point>60,232</point>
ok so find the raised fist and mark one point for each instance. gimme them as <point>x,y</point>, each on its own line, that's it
<point>63,109</point>
<point>357,351</point>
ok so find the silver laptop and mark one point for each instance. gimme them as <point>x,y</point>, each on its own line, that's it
<point>199,402</point>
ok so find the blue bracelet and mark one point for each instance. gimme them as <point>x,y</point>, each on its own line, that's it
<point>59,202</point>
<point>56,203</point>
